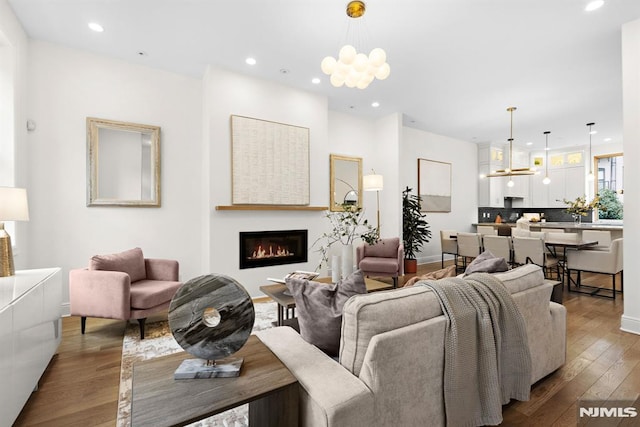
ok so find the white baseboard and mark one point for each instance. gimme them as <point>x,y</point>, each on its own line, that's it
<point>630,324</point>
<point>66,309</point>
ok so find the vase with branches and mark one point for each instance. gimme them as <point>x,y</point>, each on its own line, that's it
<point>345,228</point>
<point>580,207</point>
<point>415,229</point>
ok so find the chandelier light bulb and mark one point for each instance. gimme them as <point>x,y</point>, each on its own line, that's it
<point>510,183</point>
<point>590,177</point>
<point>328,65</point>
<point>377,57</point>
<point>546,180</point>
<point>337,80</point>
<point>361,62</point>
<point>383,71</point>
<point>347,54</point>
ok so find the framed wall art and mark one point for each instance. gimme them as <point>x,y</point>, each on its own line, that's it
<point>270,162</point>
<point>434,185</point>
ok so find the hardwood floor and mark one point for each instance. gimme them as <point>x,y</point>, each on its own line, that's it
<point>80,386</point>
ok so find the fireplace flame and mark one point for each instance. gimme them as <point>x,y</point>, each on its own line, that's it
<point>261,252</point>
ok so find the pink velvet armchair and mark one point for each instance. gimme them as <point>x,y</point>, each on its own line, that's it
<point>385,258</point>
<point>123,286</point>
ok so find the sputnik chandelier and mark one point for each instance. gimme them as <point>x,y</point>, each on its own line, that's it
<point>353,69</point>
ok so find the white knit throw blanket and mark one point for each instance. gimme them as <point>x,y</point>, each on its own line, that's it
<point>487,359</point>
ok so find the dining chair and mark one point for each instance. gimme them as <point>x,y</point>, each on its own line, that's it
<point>449,244</point>
<point>603,237</point>
<point>469,247</point>
<point>499,246</point>
<point>531,250</point>
<point>608,261</point>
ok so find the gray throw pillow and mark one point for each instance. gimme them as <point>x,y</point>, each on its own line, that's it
<point>319,307</point>
<point>486,262</point>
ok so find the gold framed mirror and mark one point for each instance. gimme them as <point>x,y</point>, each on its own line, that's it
<point>123,164</point>
<point>345,182</point>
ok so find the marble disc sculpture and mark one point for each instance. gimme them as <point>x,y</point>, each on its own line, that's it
<point>211,316</point>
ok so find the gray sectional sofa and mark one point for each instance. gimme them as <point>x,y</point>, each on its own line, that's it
<point>391,363</point>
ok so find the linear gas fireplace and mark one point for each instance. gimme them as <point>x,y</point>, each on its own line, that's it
<point>265,248</point>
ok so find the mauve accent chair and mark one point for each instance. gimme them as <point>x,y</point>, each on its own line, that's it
<point>123,286</point>
<point>385,258</point>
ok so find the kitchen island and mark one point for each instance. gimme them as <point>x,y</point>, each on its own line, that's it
<point>568,227</point>
<point>572,227</point>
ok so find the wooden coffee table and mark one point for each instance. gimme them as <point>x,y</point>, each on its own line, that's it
<point>287,305</point>
<point>264,383</point>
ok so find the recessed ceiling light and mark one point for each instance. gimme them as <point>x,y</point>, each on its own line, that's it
<point>607,140</point>
<point>251,61</point>
<point>142,53</point>
<point>315,81</point>
<point>96,27</point>
<point>375,104</point>
<point>529,143</point>
<point>595,4</point>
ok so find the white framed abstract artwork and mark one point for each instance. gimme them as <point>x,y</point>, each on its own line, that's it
<point>270,162</point>
<point>434,185</point>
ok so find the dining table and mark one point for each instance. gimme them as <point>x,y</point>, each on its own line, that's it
<point>558,248</point>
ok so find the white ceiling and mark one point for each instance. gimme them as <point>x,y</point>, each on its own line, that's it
<point>456,65</point>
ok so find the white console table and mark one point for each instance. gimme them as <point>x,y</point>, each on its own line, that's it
<point>30,332</point>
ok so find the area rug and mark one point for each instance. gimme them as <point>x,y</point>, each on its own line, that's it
<point>159,342</point>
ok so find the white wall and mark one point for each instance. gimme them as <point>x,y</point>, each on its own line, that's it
<point>67,86</point>
<point>631,119</point>
<point>463,157</point>
<point>376,142</point>
<point>14,47</point>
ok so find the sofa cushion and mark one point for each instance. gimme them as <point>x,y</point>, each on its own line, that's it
<point>319,307</point>
<point>385,248</point>
<point>487,262</point>
<point>147,294</point>
<point>365,316</point>
<point>130,262</point>
<point>522,278</point>
<point>449,271</point>
<point>379,265</point>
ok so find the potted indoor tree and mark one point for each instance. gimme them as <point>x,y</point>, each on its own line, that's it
<point>415,229</point>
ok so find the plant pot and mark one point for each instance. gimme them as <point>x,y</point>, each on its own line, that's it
<point>410,266</point>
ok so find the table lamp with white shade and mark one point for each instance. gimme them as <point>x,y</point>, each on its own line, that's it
<point>374,182</point>
<point>13,207</point>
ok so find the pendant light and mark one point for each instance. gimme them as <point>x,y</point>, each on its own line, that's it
<point>546,179</point>
<point>511,171</point>
<point>590,160</point>
<point>353,69</point>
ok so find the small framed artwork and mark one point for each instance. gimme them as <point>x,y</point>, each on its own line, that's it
<point>434,185</point>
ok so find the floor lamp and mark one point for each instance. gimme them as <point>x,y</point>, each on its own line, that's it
<point>374,182</point>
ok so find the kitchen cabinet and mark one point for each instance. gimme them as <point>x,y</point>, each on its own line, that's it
<point>490,190</point>
<point>566,183</point>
